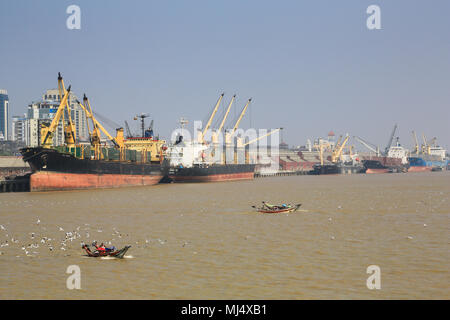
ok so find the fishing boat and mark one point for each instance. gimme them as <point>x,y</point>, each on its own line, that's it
<point>114,253</point>
<point>268,208</point>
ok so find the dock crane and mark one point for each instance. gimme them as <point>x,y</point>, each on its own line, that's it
<point>201,136</point>
<point>229,134</point>
<point>321,147</point>
<point>215,135</point>
<point>368,145</point>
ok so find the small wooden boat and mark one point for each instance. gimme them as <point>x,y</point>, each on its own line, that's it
<point>107,253</point>
<point>268,208</point>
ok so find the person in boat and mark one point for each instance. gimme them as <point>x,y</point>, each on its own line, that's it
<point>102,249</point>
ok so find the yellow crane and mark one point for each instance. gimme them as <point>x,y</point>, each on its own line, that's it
<point>337,151</point>
<point>215,136</point>
<point>321,147</point>
<point>95,139</point>
<point>47,133</point>
<point>69,128</point>
<point>416,146</point>
<point>263,136</point>
<point>229,134</point>
<point>201,137</point>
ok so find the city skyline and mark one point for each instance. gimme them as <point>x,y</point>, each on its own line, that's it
<point>306,75</point>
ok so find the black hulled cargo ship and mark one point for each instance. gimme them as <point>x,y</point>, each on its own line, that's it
<point>337,168</point>
<point>212,172</point>
<point>54,169</point>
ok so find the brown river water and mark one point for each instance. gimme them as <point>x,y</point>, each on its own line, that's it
<point>204,241</point>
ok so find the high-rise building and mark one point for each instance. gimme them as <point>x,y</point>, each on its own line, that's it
<point>4,114</point>
<point>19,128</point>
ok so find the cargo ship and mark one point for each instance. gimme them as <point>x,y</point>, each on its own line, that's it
<point>53,169</point>
<point>74,165</point>
<point>337,168</point>
<point>199,160</point>
<point>429,158</point>
<point>423,163</point>
<point>189,162</point>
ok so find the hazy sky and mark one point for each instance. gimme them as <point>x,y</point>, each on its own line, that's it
<point>310,66</point>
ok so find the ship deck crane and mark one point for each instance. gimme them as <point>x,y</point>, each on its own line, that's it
<point>337,151</point>
<point>215,136</point>
<point>236,125</point>
<point>117,141</point>
<point>70,128</point>
<point>388,146</point>
<point>127,128</point>
<point>368,145</point>
<point>201,137</point>
<point>263,136</point>
<point>47,133</point>
<point>416,145</point>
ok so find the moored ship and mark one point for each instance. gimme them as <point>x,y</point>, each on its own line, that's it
<point>58,170</point>
<point>75,165</point>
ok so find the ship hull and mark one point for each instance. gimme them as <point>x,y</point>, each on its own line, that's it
<point>425,163</point>
<point>213,173</point>
<point>377,170</point>
<point>54,181</point>
<point>420,169</point>
<point>53,170</point>
<point>336,169</point>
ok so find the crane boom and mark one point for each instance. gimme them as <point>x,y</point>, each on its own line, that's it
<point>99,126</point>
<point>208,124</point>
<point>391,138</point>
<point>263,136</point>
<point>416,146</point>
<point>368,145</point>
<point>70,129</point>
<point>226,114</point>
<point>337,152</point>
<point>56,118</point>
<point>241,116</point>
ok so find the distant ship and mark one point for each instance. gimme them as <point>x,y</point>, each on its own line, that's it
<point>189,163</point>
<point>396,160</point>
<point>428,162</point>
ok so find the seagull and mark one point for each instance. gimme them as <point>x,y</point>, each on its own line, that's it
<point>38,221</point>
<point>2,227</point>
<point>61,229</point>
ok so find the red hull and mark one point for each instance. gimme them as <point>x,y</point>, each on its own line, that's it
<point>419,169</point>
<point>50,181</point>
<point>214,177</point>
<point>377,170</point>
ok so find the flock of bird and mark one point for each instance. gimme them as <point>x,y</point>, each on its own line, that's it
<point>33,243</point>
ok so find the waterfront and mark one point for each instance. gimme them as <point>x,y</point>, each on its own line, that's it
<point>203,241</point>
